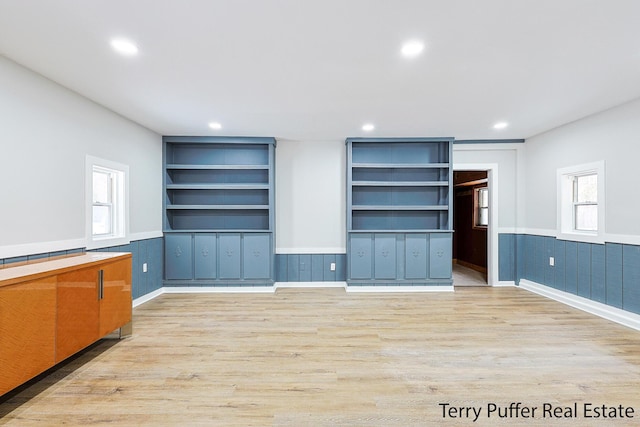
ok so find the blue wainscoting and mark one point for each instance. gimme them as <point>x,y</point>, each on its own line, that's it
<point>310,267</point>
<point>147,251</point>
<point>607,273</point>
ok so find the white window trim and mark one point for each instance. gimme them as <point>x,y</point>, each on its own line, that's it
<point>121,235</point>
<point>565,228</point>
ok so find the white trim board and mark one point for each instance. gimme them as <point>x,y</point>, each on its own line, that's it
<point>279,285</point>
<point>311,251</point>
<point>614,314</point>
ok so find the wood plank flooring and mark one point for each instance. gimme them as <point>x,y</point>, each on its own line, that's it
<point>322,357</point>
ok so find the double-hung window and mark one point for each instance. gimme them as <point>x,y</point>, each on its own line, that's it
<point>581,202</point>
<point>481,203</point>
<point>107,210</point>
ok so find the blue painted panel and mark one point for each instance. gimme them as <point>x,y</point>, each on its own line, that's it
<point>281,268</point>
<point>230,255</point>
<point>317,268</point>
<point>440,256</point>
<point>506,257</point>
<point>341,267</point>
<point>598,280</point>
<point>549,271</point>
<point>138,282</point>
<point>385,256</point>
<point>178,256</point>
<point>52,254</point>
<point>613,253</point>
<point>631,278</point>
<point>520,257</point>
<point>154,258</point>
<point>539,259</point>
<point>560,265</point>
<point>15,259</point>
<point>257,256</point>
<point>416,256</point>
<point>205,255</point>
<point>584,270</point>
<point>529,251</point>
<point>361,256</point>
<point>571,274</point>
<point>293,268</point>
<point>38,256</point>
<point>305,267</point>
<point>329,276</point>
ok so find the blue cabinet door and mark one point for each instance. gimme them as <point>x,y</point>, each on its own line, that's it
<point>416,260</point>
<point>257,256</point>
<point>178,257</point>
<point>360,256</point>
<point>385,256</point>
<point>230,256</point>
<point>205,256</point>
<point>440,256</point>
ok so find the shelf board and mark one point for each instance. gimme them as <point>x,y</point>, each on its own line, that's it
<point>217,230</point>
<point>400,183</point>
<point>217,186</point>
<point>393,208</point>
<point>395,231</point>
<point>183,166</point>
<point>402,165</point>
<point>218,207</point>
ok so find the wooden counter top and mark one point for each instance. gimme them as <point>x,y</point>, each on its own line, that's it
<point>42,268</point>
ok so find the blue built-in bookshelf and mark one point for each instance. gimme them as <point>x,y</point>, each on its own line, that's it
<point>219,211</point>
<point>399,211</point>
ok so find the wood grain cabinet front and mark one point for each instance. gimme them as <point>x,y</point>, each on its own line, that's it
<point>27,331</point>
<point>53,309</point>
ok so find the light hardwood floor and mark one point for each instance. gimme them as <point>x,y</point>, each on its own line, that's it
<point>322,357</point>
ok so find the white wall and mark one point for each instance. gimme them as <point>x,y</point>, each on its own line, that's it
<point>612,136</point>
<point>506,158</point>
<point>310,196</point>
<point>47,131</point>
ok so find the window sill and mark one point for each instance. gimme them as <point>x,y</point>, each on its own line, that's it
<point>581,237</point>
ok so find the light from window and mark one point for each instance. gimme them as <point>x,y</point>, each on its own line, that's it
<point>585,202</point>
<point>482,207</point>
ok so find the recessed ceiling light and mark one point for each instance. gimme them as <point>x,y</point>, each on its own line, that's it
<point>412,48</point>
<point>124,47</point>
<point>500,125</point>
<point>368,127</point>
<point>215,125</point>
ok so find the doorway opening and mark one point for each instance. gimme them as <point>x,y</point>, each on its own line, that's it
<point>471,224</point>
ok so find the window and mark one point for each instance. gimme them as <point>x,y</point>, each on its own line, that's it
<point>107,209</point>
<point>481,203</point>
<point>581,202</point>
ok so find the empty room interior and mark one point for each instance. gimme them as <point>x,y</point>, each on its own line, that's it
<point>319,213</point>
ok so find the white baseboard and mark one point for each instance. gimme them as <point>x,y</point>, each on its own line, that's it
<point>219,290</point>
<point>310,285</point>
<point>505,284</point>
<point>389,289</point>
<point>614,314</point>
<point>148,297</point>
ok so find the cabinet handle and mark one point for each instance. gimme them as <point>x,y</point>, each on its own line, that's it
<point>100,284</point>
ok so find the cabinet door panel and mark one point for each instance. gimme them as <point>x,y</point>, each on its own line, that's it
<point>257,256</point>
<point>78,311</point>
<point>360,256</point>
<point>230,256</point>
<point>205,256</point>
<point>416,260</point>
<point>440,256</point>
<point>115,305</point>
<point>385,256</point>
<point>27,331</point>
<point>178,256</point>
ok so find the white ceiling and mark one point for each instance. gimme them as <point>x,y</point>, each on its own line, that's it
<point>320,69</point>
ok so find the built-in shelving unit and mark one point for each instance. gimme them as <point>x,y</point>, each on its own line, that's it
<point>399,211</point>
<point>219,210</point>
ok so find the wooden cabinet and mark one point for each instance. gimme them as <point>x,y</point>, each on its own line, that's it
<point>219,198</point>
<point>398,202</point>
<point>50,310</point>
